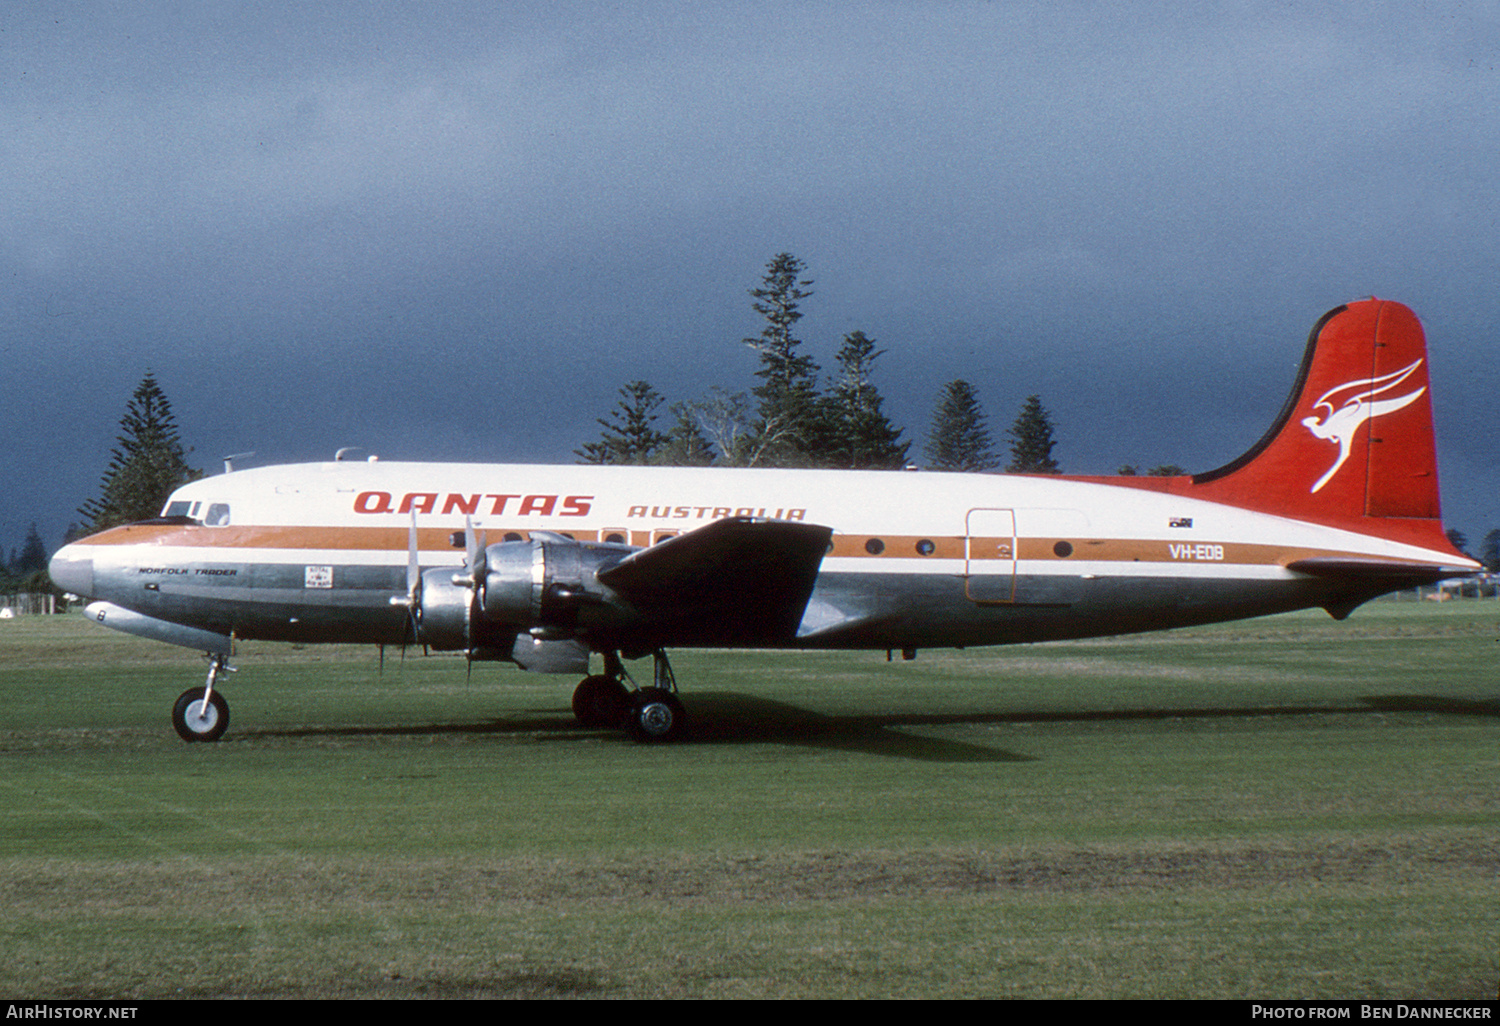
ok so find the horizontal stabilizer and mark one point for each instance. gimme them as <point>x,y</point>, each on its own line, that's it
<point>740,580</point>
<point>1357,569</point>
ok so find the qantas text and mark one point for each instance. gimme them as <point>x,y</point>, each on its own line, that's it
<point>493,505</point>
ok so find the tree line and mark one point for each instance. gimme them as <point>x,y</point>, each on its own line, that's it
<point>26,569</point>
<point>147,464</point>
<point>790,419</point>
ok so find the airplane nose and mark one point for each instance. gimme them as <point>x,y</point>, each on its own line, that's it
<point>72,571</point>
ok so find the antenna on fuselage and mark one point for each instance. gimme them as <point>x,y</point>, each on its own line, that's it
<point>229,460</point>
<point>338,457</point>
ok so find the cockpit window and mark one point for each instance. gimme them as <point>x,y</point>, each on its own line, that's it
<point>213,514</point>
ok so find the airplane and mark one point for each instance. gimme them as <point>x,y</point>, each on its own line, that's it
<point>548,566</point>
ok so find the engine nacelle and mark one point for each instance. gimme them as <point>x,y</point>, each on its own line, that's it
<point>535,587</point>
<point>541,584</point>
<point>445,612</point>
<point>514,579</point>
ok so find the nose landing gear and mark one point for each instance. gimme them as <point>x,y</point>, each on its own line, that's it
<point>202,714</point>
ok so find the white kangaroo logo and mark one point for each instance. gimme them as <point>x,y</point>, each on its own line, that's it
<point>1359,404</point>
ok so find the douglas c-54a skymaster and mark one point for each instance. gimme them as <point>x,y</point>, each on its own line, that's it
<point>1337,504</point>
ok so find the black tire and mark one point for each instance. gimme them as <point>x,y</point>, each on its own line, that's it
<point>601,701</point>
<point>656,716</point>
<point>209,725</point>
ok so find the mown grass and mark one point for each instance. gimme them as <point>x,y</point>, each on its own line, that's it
<point>1283,808</point>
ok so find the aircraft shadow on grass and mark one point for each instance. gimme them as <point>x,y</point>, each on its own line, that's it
<point>717,719</point>
<point>725,718</point>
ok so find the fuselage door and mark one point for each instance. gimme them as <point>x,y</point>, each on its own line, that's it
<point>990,555</point>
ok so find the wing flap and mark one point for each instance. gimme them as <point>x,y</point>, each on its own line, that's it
<point>740,580</point>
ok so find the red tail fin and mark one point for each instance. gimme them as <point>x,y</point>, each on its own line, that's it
<point>1355,438</point>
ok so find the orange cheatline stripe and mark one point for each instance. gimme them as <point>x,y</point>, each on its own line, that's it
<point>845,546</point>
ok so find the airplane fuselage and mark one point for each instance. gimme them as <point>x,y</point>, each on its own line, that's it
<point>318,552</point>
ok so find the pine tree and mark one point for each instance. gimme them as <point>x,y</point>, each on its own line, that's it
<point>959,438</point>
<point>27,570</point>
<point>784,431</point>
<point>146,467</point>
<point>686,445</point>
<point>1031,440</point>
<point>858,434</point>
<point>33,555</point>
<point>1489,553</point>
<point>628,435</point>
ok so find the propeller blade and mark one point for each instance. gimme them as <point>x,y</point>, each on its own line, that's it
<point>413,564</point>
<point>474,557</point>
<point>478,564</point>
<point>413,585</point>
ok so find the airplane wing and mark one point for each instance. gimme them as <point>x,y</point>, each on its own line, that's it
<point>739,580</point>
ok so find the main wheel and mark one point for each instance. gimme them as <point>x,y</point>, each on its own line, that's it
<point>601,701</point>
<point>656,716</point>
<point>196,720</point>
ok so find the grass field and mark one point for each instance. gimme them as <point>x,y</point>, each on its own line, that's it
<point>1285,808</point>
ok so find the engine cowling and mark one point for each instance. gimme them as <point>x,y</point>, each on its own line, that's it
<point>536,587</point>
<point>445,610</point>
<point>540,582</point>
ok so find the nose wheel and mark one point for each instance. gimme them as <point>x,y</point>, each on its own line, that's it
<point>199,720</point>
<point>202,714</point>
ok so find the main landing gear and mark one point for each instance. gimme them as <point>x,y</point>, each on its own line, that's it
<point>651,714</point>
<point>202,714</point>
